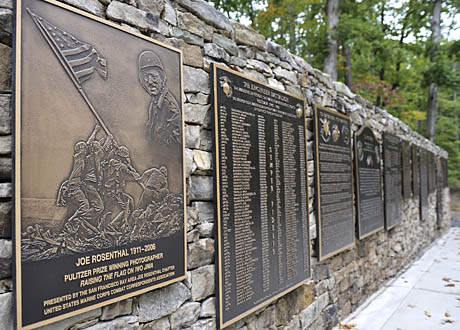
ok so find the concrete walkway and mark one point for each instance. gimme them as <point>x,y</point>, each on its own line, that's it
<point>425,297</point>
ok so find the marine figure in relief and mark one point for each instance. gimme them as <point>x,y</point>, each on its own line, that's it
<point>163,123</point>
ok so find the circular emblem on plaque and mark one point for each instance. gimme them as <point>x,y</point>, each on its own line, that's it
<point>346,134</point>
<point>299,111</point>
<point>335,133</point>
<point>359,147</point>
<point>225,84</point>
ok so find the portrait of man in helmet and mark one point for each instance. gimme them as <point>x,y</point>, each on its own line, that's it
<point>163,121</point>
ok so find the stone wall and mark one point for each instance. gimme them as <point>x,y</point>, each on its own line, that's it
<point>205,35</point>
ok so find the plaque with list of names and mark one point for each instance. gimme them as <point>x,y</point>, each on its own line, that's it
<point>444,173</point>
<point>431,172</point>
<point>439,192</point>
<point>415,171</point>
<point>368,183</point>
<point>406,170</point>
<point>263,245</point>
<point>423,184</point>
<point>99,164</point>
<point>334,182</point>
<point>392,180</point>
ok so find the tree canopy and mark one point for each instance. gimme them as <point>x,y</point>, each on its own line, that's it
<point>386,54</point>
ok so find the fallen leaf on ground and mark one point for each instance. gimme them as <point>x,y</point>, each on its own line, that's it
<point>411,306</point>
<point>447,321</point>
<point>446,279</point>
<point>457,298</point>
<point>427,314</point>
<point>450,285</point>
<point>348,326</point>
<point>447,315</point>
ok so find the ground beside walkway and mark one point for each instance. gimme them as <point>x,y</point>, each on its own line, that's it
<point>425,297</point>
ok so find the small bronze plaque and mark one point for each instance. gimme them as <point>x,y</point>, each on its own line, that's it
<point>431,172</point>
<point>423,184</point>
<point>415,171</point>
<point>263,245</point>
<point>444,172</point>
<point>334,182</point>
<point>99,168</point>
<point>392,180</point>
<point>406,170</point>
<point>368,182</point>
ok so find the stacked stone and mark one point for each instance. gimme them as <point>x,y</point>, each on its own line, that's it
<point>6,285</point>
<point>205,35</point>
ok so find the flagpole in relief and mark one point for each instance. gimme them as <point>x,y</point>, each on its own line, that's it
<point>68,67</point>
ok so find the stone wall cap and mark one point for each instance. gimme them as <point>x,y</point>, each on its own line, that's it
<point>247,36</point>
<point>342,88</point>
<point>207,13</point>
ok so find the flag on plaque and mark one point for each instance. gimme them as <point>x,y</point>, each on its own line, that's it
<point>80,59</point>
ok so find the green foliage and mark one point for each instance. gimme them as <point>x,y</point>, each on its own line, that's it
<point>392,57</point>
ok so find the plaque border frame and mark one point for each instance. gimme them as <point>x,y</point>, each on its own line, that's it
<point>16,168</point>
<point>358,201</point>
<point>216,153</point>
<point>317,185</point>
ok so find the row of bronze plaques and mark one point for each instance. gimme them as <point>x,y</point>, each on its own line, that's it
<point>100,174</point>
<point>407,171</point>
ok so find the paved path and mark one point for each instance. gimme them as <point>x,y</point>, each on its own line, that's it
<point>425,297</point>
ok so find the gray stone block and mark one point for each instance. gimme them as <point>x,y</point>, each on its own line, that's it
<point>161,302</point>
<point>207,13</point>
<point>92,6</point>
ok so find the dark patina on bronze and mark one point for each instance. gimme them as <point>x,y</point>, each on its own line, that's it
<point>262,244</point>
<point>392,180</point>
<point>368,176</point>
<point>334,182</point>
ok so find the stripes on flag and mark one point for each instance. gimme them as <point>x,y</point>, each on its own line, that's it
<point>80,58</point>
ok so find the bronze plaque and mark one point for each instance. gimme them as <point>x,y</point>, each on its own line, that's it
<point>431,172</point>
<point>334,182</point>
<point>368,176</point>
<point>392,180</point>
<point>444,173</point>
<point>263,245</point>
<point>99,167</point>
<point>415,171</point>
<point>406,170</point>
<point>423,184</point>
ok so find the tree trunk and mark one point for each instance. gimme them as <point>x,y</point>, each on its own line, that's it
<point>330,62</point>
<point>432,111</point>
<point>348,72</point>
<point>292,35</point>
<point>432,107</point>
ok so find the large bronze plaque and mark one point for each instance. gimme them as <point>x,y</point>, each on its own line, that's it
<point>415,171</point>
<point>263,245</point>
<point>392,180</point>
<point>406,170</point>
<point>99,164</point>
<point>368,182</point>
<point>423,184</point>
<point>334,182</point>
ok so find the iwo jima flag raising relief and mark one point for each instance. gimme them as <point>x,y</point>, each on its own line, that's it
<point>99,164</point>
